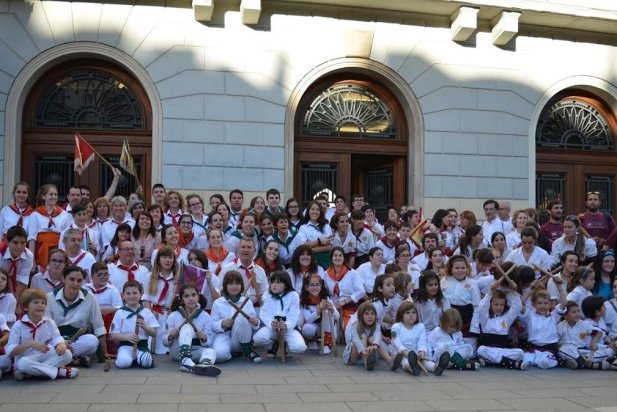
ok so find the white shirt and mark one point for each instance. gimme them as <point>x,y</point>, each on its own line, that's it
<point>202,322</point>
<point>43,281</point>
<point>221,310</point>
<point>288,306</point>
<point>39,223</point>
<point>85,313</point>
<point>8,218</point>
<point>24,263</point>
<point>46,332</point>
<point>367,275</point>
<point>430,314</point>
<point>118,277</point>
<point>350,286</point>
<point>561,245</point>
<point>578,294</point>
<point>542,330</point>
<point>497,225</point>
<point>414,339</point>
<point>8,303</point>
<point>107,297</point>
<point>123,322</point>
<point>538,257</point>
<point>261,281</point>
<point>108,230</point>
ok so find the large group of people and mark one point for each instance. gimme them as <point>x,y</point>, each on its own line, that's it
<point>125,279</point>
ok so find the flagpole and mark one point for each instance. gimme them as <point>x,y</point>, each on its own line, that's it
<point>95,152</point>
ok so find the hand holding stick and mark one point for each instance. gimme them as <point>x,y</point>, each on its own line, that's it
<point>239,310</point>
<point>188,318</point>
<point>137,334</point>
<point>420,359</point>
<point>78,333</point>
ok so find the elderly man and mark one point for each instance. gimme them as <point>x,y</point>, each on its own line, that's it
<point>126,268</point>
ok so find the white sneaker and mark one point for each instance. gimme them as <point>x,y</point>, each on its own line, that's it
<point>327,350</point>
<point>313,345</point>
<point>523,366</point>
<point>67,373</point>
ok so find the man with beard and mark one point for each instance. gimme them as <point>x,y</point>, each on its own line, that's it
<point>553,229</point>
<point>599,225</point>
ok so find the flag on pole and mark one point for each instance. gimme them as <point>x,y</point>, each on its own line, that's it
<point>192,274</point>
<point>417,234</point>
<point>126,160</point>
<point>84,154</point>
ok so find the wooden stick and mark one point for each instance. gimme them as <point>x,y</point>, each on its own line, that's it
<point>239,310</point>
<point>281,337</point>
<point>556,270</point>
<point>78,333</point>
<point>543,271</point>
<point>334,348</point>
<point>136,333</point>
<point>420,359</point>
<point>188,318</point>
<point>341,327</point>
<point>323,330</point>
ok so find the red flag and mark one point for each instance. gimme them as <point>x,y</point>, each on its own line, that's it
<point>418,232</point>
<point>84,154</point>
<point>192,274</point>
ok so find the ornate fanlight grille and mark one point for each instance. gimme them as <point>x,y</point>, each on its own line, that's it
<point>89,99</point>
<point>574,124</point>
<point>349,110</point>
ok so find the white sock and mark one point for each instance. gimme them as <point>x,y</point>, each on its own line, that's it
<point>188,362</point>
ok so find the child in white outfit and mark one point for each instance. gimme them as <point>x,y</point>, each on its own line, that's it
<point>449,338</point>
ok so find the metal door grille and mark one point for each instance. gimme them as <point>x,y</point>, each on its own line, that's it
<point>604,186</point>
<point>57,170</point>
<point>317,178</point>
<point>379,191</point>
<point>549,186</point>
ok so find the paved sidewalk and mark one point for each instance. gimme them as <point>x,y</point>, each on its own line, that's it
<point>312,383</point>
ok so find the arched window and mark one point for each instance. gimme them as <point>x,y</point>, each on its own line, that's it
<point>101,101</point>
<point>351,137</point>
<point>575,151</point>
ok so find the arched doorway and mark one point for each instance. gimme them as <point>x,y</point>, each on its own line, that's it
<point>101,101</point>
<point>351,137</point>
<point>575,151</point>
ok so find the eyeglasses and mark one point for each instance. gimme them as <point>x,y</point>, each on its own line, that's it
<point>312,285</point>
<point>56,261</point>
<point>404,255</point>
<point>594,192</point>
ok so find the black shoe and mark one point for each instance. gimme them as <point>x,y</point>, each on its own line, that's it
<point>254,357</point>
<point>412,358</point>
<point>206,370</point>
<point>371,360</point>
<point>444,360</point>
<point>274,350</point>
<point>396,361</point>
<point>81,361</point>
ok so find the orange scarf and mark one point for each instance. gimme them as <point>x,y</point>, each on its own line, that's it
<point>337,278</point>
<point>27,212</point>
<point>185,240</point>
<point>54,213</point>
<point>313,300</point>
<point>217,257</point>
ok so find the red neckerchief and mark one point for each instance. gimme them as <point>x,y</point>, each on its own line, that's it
<point>397,242</point>
<point>185,240</point>
<point>100,222</point>
<point>313,300</point>
<point>22,213</point>
<point>78,259</point>
<point>337,278</point>
<point>13,272</point>
<point>174,218</point>
<point>129,270</point>
<point>163,294</point>
<point>54,213</point>
<point>117,222</point>
<point>52,284</point>
<point>268,268</point>
<point>247,270</point>
<point>33,327</point>
<point>217,257</point>
<point>97,291</point>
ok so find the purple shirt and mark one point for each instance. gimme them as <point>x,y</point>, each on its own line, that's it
<point>597,224</point>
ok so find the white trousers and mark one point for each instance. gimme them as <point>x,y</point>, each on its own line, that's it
<point>543,360</point>
<point>465,350</point>
<point>198,353</point>
<point>159,348</point>
<point>572,352</point>
<point>227,342</point>
<point>43,364</point>
<point>494,355</point>
<point>266,336</point>
<point>85,345</point>
<point>124,358</point>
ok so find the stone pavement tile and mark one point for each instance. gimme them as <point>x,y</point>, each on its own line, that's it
<point>364,387</point>
<point>251,380</point>
<point>339,397</point>
<point>230,407</point>
<point>95,398</point>
<point>62,388</point>
<point>177,398</point>
<point>389,406</point>
<point>368,377</point>
<point>30,407</point>
<point>117,379</point>
<point>262,398</point>
<point>548,393</point>
<point>538,403</point>
<point>257,371</point>
<point>402,395</point>
<point>496,384</point>
<point>291,388</point>
<point>147,388</point>
<point>444,387</point>
<point>30,398</point>
<point>325,380</point>
<point>466,405</point>
<point>596,401</point>
<point>479,394</point>
<point>210,386</point>
<point>307,407</point>
<point>599,391</point>
<point>133,408</point>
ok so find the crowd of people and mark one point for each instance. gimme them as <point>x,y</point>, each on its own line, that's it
<point>116,278</point>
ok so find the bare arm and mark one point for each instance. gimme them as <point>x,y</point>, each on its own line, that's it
<point>114,184</point>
